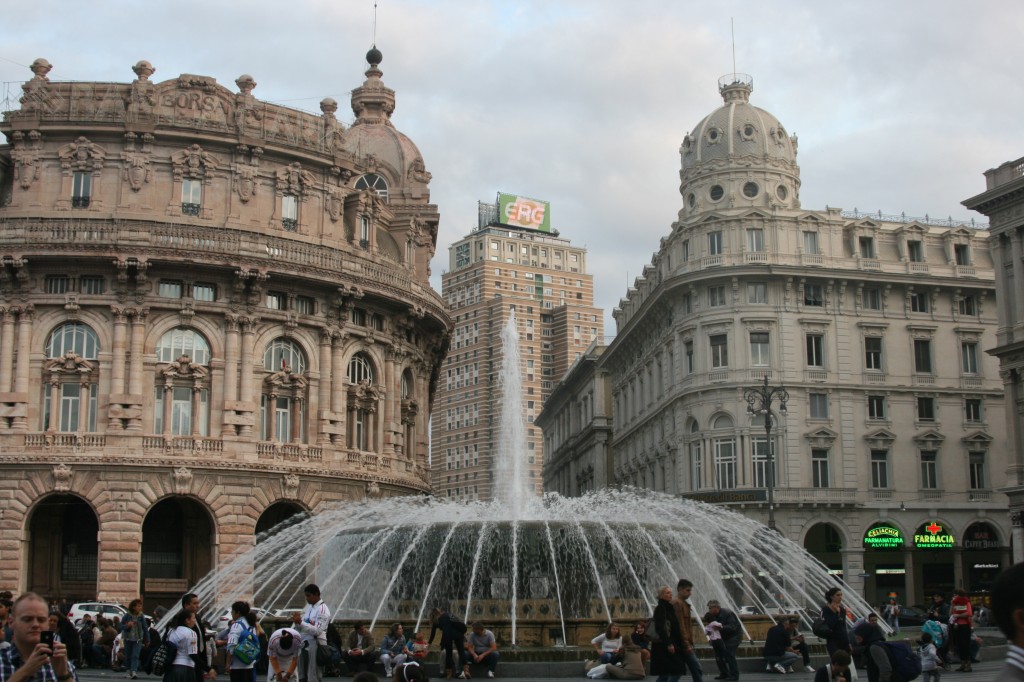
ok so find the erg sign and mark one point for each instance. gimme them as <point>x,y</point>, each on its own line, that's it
<point>524,212</point>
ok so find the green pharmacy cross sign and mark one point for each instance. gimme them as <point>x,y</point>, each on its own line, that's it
<point>933,535</point>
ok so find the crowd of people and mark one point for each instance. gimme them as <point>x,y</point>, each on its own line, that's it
<point>38,642</point>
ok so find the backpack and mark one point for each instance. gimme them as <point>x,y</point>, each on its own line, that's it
<point>162,658</point>
<point>820,628</point>
<point>906,664</point>
<point>248,648</point>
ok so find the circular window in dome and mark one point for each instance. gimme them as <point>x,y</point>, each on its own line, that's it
<point>714,135</point>
<point>691,200</point>
<point>747,132</point>
<point>750,190</point>
<point>717,192</point>
<point>781,192</point>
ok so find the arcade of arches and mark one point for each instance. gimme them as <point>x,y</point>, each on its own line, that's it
<point>912,562</point>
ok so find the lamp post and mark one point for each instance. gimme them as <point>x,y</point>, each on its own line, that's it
<point>760,402</point>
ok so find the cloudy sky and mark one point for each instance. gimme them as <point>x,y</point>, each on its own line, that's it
<point>899,106</point>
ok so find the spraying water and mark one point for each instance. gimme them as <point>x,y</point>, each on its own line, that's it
<point>548,561</point>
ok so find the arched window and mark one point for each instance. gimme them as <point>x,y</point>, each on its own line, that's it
<point>283,402</point>
<point>363,400</point>
<point>70,376</point>
<point>375,182</point>
<point>182,403</point>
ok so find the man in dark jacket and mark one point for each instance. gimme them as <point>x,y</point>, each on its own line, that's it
<point>876,658</point>
<point>778,645</point>
<point>732,636</point>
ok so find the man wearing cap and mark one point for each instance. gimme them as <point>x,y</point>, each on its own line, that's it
<point>779,653</point>
<point>732,635</point>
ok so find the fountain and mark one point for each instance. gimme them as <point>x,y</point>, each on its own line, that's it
<point>536,566</point>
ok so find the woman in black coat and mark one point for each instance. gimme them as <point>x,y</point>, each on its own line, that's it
<point>665,660</point>
<point>834,615</point>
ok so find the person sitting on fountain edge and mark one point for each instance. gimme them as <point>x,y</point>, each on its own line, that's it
<point>483,648</point>
<point>779,653</point>
<point>360,653</point>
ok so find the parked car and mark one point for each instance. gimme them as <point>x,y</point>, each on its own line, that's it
<point>225,618</point>
<point>105,609</point>
<point>911,616</point>
<point>748,611</point>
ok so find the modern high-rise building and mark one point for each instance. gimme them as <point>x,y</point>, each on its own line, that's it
<point>513,260</point>
<point>886,455</point>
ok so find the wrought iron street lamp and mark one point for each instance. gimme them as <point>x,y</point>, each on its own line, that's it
<point>760,402</point>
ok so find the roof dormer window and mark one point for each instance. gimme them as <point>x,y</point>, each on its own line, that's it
<point>374,182</point>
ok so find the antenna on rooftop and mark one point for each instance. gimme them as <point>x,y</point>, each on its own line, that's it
<point>374,41</point>
<point>732,27</point>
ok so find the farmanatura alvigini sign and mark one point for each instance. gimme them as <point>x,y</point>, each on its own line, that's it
<point>933,535</point>
<point>883,536</point>
<point>524,212</point>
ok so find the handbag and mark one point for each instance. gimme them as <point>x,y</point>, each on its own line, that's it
<point>162,658</point>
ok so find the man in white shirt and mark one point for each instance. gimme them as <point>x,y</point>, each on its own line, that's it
<point>312,626</point>
<point>282,650</point>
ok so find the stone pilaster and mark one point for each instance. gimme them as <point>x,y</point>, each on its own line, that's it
<point>20,420</point>
<point>136,368</point>
<point>6,349</point>
<point>231,352</point>
<point>245,366</point>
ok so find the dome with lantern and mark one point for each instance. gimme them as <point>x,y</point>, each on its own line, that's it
<point>738,156</point>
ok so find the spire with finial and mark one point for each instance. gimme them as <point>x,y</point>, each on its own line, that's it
<point>373,102</point>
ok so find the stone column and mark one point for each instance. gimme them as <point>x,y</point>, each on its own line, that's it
<point>297,419</point>
<point>392,394</point>
<point>1017,532</point>
<point>168,410</point>
<point>54,405</point>
<point>21,372</point>
<point>135,367</point>
<point>271,417</point>
<point>197,394</point>
<point>339,389</point>
<point>1018,277</point>
<point>245,366</point>
<point>958,568</point>
<point>910,579</point>
<point>120,350</point>
<point>6,350</point>
<point>231,343</point>
<point>324,394</point>
<point>84,406</point>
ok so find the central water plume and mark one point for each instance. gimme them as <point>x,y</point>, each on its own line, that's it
<point>551,562</point>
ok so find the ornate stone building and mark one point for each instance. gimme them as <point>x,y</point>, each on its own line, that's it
<point>1003,202</point>
<point>214,314</point>
<point>876,325</point>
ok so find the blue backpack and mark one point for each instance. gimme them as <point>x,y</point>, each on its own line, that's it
<point>905,662</point>
<point>248,648</point>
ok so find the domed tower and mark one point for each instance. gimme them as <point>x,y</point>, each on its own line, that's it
<point>738,156</point>
<point>395,170</point>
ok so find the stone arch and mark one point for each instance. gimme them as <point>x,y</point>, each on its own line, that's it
<point>46,321</point>
<point>306,339</point>
<point>718,420</point>
<point>825,541</point>
<point>63,548</point>
<point>178,548</point>
<point>200,324</point>
<point>277,512</point>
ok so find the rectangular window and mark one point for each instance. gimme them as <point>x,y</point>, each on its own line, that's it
<point>276,300</point>
<point>962,254</point>
<point>755,239</point>
<point>813,295</point>
<point>304,305</point>
<point>204,292</point>
<point>757,292</point>
<point>811,243</point>
<point>725,463</point>
<point>759,356</point>
<point>716,296</point>
<point>873,352</point>
<point>926,409</point>
<point>969,357</point>
<point>968,305</point>
<point>879,468</point>
<point>818,405</point>
<point>290,212</point>
<point>876,407</point>
<point>976,463</point>
<point>57,284</point>
<point>819,468</point>
<point>720,350</point>
<point>689,357</point>
<point>759,461</point>
<point>918,302</point>
<point>191,196</point>
<point>81,189</point>
<point>871,299</point>
<point>715,243</point>
<point>169,289</point>
<point>815,350</point>
<point>90,284</point>
<point>923,356</point>
<point>687,303</point>
<point>972,409</point>
<point>686,250</point>
<point>915,253</point>
<point>929,470</point>
<point>867,247</point>
<point>696,466</point>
